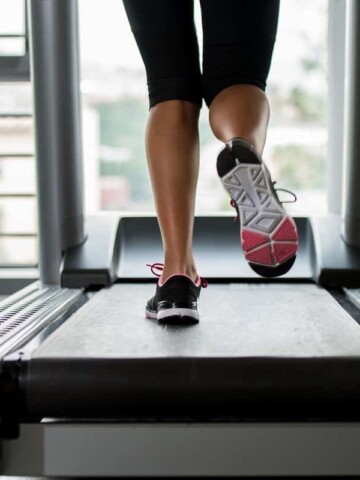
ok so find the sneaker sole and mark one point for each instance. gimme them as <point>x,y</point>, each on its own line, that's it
<point>268,234</point>
<point>174,316</point>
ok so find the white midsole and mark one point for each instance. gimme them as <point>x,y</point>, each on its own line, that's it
<point>169,312</point>
<point>150,314</point>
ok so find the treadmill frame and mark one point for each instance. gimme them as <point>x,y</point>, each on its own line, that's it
<point>173,449</point>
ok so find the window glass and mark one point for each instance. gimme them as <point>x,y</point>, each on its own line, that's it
<point>18,215</point>
<point>17,175</point>
<point>18,251</point>
<point>15,98</point>
<point>12,17</point>
<point>12,46</point>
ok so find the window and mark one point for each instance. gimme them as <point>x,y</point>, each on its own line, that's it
<point>296,145</point>
<point>18,230</point>
<point>14,49</point>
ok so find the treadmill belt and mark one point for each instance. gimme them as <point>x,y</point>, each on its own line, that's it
<point>236,320</point>
<point>269,350</point>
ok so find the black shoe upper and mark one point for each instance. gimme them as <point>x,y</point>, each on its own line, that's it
<point>177,292</point>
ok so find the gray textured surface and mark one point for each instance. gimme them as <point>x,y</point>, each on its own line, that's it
<point>235,320</point>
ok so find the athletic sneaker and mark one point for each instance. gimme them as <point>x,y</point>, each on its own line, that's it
<point>175,300</point>
<point>268,234</point>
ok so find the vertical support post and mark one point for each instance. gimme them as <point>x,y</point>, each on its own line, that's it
<point>54,53</point>
<point>351,204</point>
<point>336,73</point>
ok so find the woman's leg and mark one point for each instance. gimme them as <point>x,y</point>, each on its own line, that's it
<point>239,37</point>
<point>172,147</point>
<point>241,111</point>
<point>165,34</point>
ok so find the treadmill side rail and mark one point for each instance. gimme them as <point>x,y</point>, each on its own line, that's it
<point>94,262</point>
<point>24,316</point>
<point>10,403</point>
<point>336,264</point>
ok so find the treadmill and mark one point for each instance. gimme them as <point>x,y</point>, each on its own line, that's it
<point>267,385</point>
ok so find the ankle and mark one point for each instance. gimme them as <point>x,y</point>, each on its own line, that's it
<point>179,268</point>
<point>251,141</point>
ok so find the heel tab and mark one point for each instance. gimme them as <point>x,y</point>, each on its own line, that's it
<point>181,275</point>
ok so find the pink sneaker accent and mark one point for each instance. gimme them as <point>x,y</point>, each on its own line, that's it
<point>261,255</point>
<point>286,231</point>
<point>283,251</point>
<point>271,250</point>
<point>250,239</point>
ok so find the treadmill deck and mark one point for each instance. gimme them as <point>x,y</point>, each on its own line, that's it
<point>236,320</point>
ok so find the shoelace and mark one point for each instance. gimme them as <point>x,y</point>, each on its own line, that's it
<point>160,267</point>
<point>233,204</point>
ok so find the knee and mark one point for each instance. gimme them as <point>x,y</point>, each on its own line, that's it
<point>176,113</point>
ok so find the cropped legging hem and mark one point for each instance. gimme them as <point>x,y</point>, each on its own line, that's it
<point>174,89</point>
<point>188,89</point>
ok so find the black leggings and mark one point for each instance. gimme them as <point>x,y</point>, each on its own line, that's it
<point>238,41</point>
